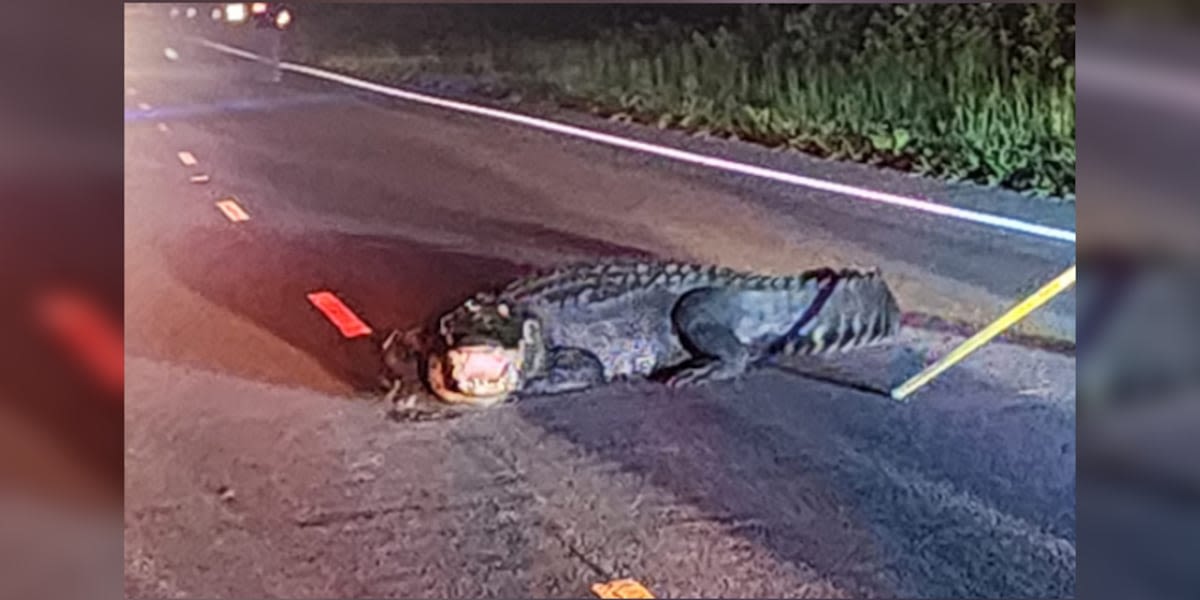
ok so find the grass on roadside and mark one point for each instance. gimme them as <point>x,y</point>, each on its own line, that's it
<point>983,96</point>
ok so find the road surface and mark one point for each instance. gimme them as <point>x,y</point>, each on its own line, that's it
<point>259,459</point>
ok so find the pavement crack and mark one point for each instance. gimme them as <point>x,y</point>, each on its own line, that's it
<point>325,519</point>
<point>577,553</point>
<point>515,476</point>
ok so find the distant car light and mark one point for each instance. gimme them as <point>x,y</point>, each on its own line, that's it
<point>258,8</point>
<point>175,13</point>
<point>283,18</point>
<point>191,12</point>
<point>235,13</point>
<point>216,14</point>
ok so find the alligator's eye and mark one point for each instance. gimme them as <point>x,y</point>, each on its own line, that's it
<point>472,305</point>
<point>503,310</point>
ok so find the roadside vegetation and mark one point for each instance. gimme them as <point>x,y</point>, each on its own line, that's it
<point>982,93</point>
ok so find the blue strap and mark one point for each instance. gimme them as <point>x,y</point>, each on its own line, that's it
<point>810,313</point>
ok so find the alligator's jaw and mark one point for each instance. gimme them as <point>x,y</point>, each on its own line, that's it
<point>476,375</point>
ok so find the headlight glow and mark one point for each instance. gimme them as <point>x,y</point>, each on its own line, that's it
<point>283,18</point>
<point>235,13</point>
<point>258,8</point>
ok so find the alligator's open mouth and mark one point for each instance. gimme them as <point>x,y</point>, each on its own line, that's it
<point>476,375</point>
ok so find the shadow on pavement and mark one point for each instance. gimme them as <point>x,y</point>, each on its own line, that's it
<point>967,493</point>
<point>390,283</point>
<point>955,496</point>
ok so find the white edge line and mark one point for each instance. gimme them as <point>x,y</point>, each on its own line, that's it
<point>234,51</point>
<point>672,153</point>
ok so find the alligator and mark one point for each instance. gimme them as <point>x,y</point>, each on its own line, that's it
<point>583,325</point>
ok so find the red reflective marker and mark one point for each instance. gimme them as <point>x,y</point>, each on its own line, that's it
<point>94,338</point>
<point>339,314</point>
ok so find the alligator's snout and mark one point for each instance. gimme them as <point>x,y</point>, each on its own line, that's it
<point>477,374</point>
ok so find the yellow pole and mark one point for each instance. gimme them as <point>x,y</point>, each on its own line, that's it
<point>1016,313</point>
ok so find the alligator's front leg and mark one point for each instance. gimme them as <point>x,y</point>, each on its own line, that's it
<point>567,370</point>
<point>403,348</point>
<point>403,362</point>
<point>411,402</point>
<point>703,322</point>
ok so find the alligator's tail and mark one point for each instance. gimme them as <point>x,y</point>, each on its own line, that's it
<point>851,309</point>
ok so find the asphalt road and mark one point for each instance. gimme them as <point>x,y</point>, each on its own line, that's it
<point>260,462</point>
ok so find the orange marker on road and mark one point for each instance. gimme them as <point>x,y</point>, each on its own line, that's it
<point>94,338</point>
<point>621,588</point>
<point>339,314</point>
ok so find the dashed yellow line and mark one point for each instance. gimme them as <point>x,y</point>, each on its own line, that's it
<point>621,588</point>
<point>163,127</point>
<point>233,211</point>
<point>199,178</point>
<point>188,159</point>
<point>144,106</point>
